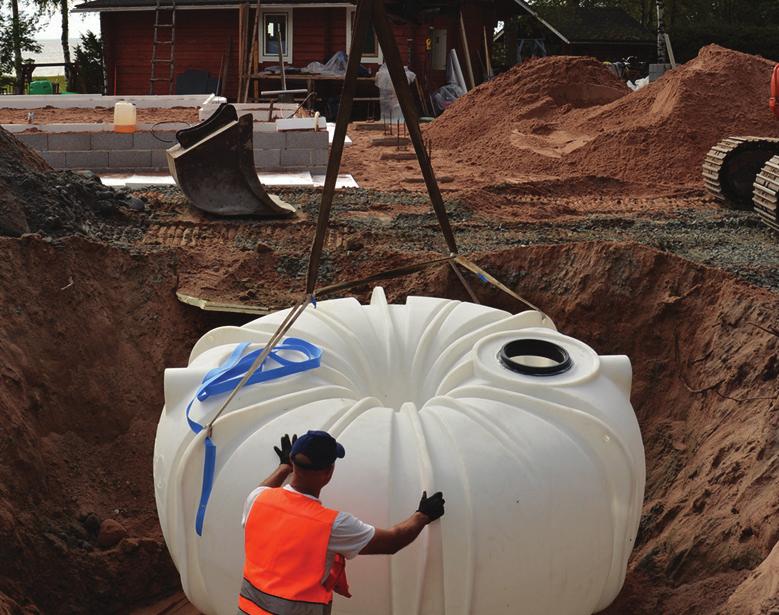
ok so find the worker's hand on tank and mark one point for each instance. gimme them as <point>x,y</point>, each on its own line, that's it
<point>433,506</point>
<point>286,448</point>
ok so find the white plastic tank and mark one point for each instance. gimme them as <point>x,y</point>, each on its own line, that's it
<point>543,475</point>
<point>124,117</point>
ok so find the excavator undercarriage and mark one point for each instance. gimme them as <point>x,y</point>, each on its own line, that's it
<point>767,193</point>
<point>743,172</point>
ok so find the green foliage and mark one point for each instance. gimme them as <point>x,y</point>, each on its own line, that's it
<point>88,58</point>
<point>688,38</point>
<point>12,38</point>
<point>751,26</point>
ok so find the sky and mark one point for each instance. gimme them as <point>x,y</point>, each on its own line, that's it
<point>79,23</point>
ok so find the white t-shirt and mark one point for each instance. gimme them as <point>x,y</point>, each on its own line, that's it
<point>348,536</point>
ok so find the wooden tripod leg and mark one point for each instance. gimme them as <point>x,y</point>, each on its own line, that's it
<point>394,63</point>
<point>363,18</point>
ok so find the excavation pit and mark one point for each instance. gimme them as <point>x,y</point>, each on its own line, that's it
<point>88,329</point>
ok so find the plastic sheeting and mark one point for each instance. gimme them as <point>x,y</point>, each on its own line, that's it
<point>390,107</point>
<point>335,66</point>
<point>455,86</point>
<point>543,475</point>
<point>446,95</point>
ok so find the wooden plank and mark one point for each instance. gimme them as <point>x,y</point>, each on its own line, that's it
<point>243,26</point>
<point>250,65</point>
<point>219,306</point>
<point>487,59</point>
<point>467,51</point>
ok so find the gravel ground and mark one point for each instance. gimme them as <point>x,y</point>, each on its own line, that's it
<point>691,226</point>
<point>695,229</point>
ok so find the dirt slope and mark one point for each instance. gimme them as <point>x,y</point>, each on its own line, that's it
<point>528,124</point>
<point>85,333</point>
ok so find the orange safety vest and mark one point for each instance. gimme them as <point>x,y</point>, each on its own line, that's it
<point>286,539</point>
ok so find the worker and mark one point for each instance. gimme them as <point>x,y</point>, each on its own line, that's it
<point>295,548</point>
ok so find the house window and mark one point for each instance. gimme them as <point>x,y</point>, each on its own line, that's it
<point>276,31</point>
<point>371,52</point>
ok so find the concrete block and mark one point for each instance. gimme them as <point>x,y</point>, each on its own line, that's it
<point>267,158</point>
<point>86,160</point>
<point>159,159</point>
<point>70,142</point>
<point>129,159</point>
<point>320,157</point>
<point>295,158</point>
<point>269,140</point>
<point>111,140</point>
<point>307,139</point>
<point>262,126</point>
<point>35,140</point>
<point>153,140</point>
<point>57,160</point>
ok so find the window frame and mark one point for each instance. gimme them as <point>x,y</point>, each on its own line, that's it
<point>378,57</point>
<point>288,53</point>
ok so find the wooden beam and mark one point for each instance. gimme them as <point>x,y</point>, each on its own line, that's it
<point>530,10</point>
<point>243,27</point>
<point>487,59</point>
<point>361,27</point>
<point>251,67</point>
<point>219,306</point>
<point>467,52</point>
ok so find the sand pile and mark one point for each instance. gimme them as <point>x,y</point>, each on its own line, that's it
<point>482,122</point>
<point>35,199</point>
<point>658,135</point>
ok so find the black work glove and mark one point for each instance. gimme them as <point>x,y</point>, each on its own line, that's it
<point>286,448</point>
<point>433,506</point>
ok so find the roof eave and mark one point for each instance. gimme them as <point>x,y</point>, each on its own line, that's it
<point>530,10</point>
<point>83,8</point>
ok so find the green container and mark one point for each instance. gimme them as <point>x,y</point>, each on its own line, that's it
<point>41,87</point>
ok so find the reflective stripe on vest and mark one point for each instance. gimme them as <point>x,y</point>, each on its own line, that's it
<point>286,540</point>
<point>253,597</point>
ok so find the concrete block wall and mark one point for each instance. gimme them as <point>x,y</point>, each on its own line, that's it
<point>106,151</point>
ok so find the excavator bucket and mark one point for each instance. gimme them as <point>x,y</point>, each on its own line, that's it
<point>213,164</point>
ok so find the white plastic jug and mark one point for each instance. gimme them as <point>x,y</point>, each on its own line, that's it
<point>529,434</point>
<point>124,117</point>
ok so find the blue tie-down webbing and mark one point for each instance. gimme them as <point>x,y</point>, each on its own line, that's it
<point>225,378</point>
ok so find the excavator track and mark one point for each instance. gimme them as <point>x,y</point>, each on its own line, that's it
<point>731,166</point>
<point>767,193</point>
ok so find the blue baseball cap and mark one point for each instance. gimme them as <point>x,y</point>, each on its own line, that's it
<point>319,447</point>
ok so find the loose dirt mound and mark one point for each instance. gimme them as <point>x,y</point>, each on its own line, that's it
<point>658,135</point>
<point>33,198</point>
<point>538,88</point>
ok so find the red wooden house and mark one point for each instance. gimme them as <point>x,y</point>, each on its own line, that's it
<point>207,33</point>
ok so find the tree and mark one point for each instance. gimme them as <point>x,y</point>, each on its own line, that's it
<point>18,36</point>
<point>61,6</point>
<point>89,65</point>
<point>745,25</point>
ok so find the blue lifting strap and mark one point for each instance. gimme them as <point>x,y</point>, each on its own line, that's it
<point>226,377</point>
